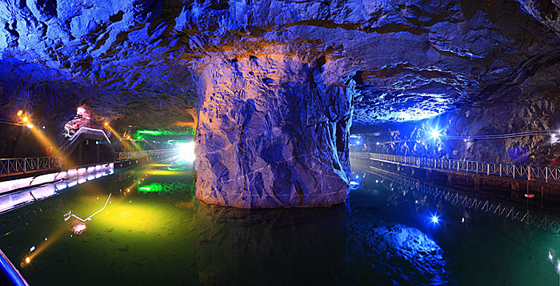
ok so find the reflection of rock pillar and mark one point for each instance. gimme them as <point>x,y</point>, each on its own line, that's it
<point>270,247</point>
<point>271,134</point>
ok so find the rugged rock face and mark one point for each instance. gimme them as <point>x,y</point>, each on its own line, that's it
<point>271,134</point>
<point>274,65</point>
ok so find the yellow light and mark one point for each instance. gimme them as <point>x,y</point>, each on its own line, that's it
<point>29,125</point>
<point>19,113</point>
<point>25,119</point>
<point>27,260</point>
<point>106,123</point>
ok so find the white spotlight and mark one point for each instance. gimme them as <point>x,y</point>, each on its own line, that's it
<point>187,151</point>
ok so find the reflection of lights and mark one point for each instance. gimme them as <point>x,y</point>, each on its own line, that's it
<point>549,256</point>
<point>79,228</point>
<point>435,219</point>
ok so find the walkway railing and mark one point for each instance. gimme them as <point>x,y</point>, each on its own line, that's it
<point>141,154</point>
<point>542,173</point>
<point>83,130</point>
<point>16,166</point>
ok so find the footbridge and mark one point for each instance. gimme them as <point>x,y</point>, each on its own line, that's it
<point>545,174</point>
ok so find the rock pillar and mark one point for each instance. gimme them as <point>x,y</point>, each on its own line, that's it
<point>271,134</point>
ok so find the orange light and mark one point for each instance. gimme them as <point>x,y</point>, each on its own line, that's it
<point>106,123</point>
<point>25,119</point>
<point>27,260</point>
<point>19,113</point>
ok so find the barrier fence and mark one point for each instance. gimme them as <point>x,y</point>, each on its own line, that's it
<point>530,172</point>
<point>14,166</point>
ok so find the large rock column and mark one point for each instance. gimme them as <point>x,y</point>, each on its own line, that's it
<point>271,134</point>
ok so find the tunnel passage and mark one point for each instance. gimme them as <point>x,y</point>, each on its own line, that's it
<point>271,134</point>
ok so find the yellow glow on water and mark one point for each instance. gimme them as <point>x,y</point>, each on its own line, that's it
<point>165,173</point>
<point>133,216</point>
<point>161,165</point>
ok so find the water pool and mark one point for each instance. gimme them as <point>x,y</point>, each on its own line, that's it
<point>152,232</point>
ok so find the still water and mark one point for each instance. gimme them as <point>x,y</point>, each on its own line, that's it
<point>146,229</point>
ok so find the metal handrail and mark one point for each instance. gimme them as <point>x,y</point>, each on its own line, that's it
<point>9,270</point>
<point>82,130</point>
<point>529,172</point>
<point>13,166</point>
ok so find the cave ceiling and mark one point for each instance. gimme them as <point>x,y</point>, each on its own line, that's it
<point>402,60</point>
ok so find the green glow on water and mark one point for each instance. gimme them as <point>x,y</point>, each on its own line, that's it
<point>151,188</point>
<point>167,187</point>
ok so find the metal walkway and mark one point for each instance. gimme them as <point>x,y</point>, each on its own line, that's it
<point>84,133</point>
<point>538,173</point>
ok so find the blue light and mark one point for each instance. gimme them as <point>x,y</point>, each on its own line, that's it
<point>435,219</point>
<point>435,134</point>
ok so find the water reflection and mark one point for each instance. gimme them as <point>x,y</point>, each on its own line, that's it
<point>270,247</point>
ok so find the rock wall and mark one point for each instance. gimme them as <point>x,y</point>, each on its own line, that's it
<point>271,134</point>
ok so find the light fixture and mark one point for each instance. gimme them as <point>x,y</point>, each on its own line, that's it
<point>25,119</point>
<point>435,134</point>
<point>20,113</point>
<point>29,125</point>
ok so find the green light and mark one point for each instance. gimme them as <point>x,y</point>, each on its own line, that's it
<point>151,188</point>
<point>168,187</point>
<point>161,132</point>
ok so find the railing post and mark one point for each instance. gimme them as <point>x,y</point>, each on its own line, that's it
<point>546,173</point>
<point>24,165</point>
<point>467,166</point>
<point>500,170</point>
<point>488,169</point>
<point>513,171</point>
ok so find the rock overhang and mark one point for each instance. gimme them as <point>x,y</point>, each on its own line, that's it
<point>407,59</point>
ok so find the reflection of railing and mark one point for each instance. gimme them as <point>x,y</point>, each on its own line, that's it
<point>475,203</point>
<point>543,173</point>
<point>142,154</point>
<point>15,166</point>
